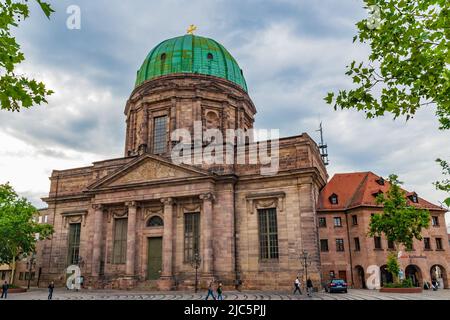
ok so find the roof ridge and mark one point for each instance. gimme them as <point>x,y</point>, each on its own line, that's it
<point>363,181</point>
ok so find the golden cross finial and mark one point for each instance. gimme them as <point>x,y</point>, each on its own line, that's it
<point>191,29</point>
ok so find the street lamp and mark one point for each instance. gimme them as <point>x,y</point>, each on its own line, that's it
<point>30,265</point>
<point>195,263</point>
<point>304,258</point>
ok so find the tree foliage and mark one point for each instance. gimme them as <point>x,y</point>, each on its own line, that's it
<point>17,91</point>
<point>444,185</point>
<point>392,266</point>
<point>17,229</point>
<point>409,64</point>
<point>399,222</point>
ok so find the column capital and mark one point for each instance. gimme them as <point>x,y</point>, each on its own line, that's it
<point>131,204</point>
<point>207,196</point>
<point>97,206</point>
<point>167,201</point>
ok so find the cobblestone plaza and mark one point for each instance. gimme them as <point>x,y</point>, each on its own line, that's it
<point>353,294</point>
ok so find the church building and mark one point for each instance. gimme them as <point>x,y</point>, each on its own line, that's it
<point>144,221</point>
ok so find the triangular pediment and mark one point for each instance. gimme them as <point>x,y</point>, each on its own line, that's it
<point>147,168</point>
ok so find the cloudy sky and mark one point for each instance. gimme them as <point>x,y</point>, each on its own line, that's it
<point>292,52</point>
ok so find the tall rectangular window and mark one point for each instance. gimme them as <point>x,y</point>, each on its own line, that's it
<point>427,243</point>
<point>268,233</point>
<point>120,241</point>
<point>435,221</point>
<point>191,235</point>
<point>439,244</point>
<point>339,244</point>
<point>377,242</point>
<point>323,245</point>
<point>159,134</point>
<point>74,243</point>
<point>391,245</point>
<point>357,244</point>
<point>354,220</point>
<point>322,222</point>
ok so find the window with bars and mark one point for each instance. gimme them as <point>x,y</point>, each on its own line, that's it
<point>339,244</point>
<point>191,235</point>
<point>268,233</point>
<point>323,245</point>
<point>155,221</point>
<point>322,222</point>
<point>159,134</point>
<point>74,243</point>
<point>357,244</point>
<point>337,222</point>
<point>120,241</point>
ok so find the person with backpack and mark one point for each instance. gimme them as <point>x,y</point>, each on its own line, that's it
<point>219,291</point>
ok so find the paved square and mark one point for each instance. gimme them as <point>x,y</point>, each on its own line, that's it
<point>353,294</point>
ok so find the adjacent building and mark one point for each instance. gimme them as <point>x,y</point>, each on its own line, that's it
<point>344,211</point>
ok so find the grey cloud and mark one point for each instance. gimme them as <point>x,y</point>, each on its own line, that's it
<point>292,53</point>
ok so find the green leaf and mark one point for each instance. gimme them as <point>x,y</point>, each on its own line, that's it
<point>447,202</point>
<point>46,8</point>
<point>329,98</point>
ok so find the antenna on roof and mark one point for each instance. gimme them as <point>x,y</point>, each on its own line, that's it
<point>323,147</point>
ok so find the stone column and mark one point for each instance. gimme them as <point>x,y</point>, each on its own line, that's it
<point>131,239</point>
<point>167,247</point>
<point>206,233</point>
<point>97,242</point>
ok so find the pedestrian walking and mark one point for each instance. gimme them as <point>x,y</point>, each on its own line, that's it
<point>51,286</point>
<point>309,287</point>
<point>219,292</point>
<point>297,286</point>
<point>5,288</point>
<point>210,291</point>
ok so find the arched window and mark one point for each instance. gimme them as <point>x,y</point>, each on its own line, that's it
<point>155,221</point>
<point>210,56</point>
<point>163,56</point>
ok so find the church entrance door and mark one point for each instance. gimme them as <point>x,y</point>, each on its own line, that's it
<point>154,258</point>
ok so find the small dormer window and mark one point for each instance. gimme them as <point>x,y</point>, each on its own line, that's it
<point>333,199</point>
<point>376,193</point>
<point>210,56</point>
<point>380,181</point>
<point>414,198</point>
<point>163,56</point>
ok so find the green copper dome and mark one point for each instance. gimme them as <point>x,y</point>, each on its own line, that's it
<point>190,54</point>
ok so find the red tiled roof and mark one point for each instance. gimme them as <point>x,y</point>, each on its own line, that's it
<point>359,189</point>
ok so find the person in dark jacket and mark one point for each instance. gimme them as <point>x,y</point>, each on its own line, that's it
<point>51,286</point>
<point>309,287</point>
<point>5,288</point>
